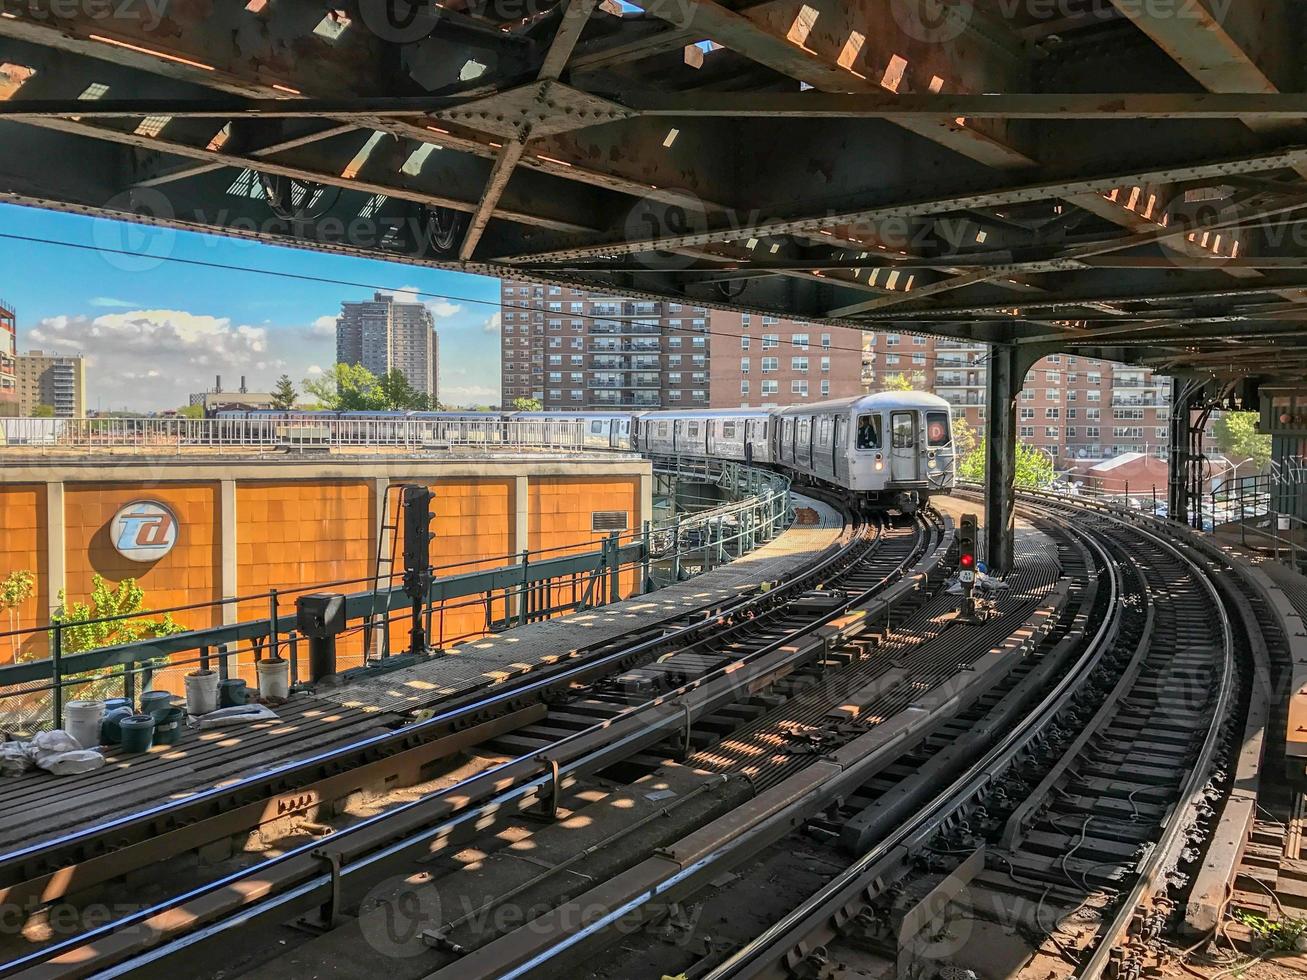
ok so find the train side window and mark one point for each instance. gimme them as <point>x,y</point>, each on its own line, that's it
<point>728,430</point>
<point>937,433</point>
<point>596,427</point>
<point>868,431</point>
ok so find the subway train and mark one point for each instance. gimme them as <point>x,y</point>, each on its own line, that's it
<point>890,449</point>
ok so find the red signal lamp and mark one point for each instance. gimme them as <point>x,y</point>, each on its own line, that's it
<point>967,560</point>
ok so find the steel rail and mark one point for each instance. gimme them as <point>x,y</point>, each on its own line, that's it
<point>52,859</point>
<point>1165,852</point>
<point>296,877</point>
<point>849,889</point>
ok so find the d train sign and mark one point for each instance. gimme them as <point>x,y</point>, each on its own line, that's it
<point>143,531</point>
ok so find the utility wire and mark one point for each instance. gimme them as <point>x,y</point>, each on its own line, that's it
<point>328,281</point>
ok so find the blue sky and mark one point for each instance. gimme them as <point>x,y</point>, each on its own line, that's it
<point>154,330</point>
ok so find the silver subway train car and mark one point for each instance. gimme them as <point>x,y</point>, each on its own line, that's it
<point>892,449</point>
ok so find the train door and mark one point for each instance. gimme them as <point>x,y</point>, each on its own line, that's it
<point>839,452</point>
<point>710,436</point>
<point>903,447</point>
<point>750,430</point>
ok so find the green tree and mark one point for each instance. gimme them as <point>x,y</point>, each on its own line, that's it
<point>43,412</point>
<point>82,632</point>
<point>15,589</point>
<point>396,394</point>
<point>964,437</point>
<point>904,382</point>
<point>1034,467</point>
<point>346,388</point>
<point>284,394</point>
<point>1237,437</point>
<point>191,412</point>
<point>527,405</point>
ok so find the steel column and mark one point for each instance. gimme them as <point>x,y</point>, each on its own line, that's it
<point>1007,367</point>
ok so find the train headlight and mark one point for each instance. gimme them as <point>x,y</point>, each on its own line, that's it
<point>932,464</point>
<point>879,466</point>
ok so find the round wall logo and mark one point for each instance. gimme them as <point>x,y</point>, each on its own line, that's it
<point>143,531</point>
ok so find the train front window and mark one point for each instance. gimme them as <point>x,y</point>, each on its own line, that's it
<point>904,431</point>
<point>937,433</point>
<point>868,432</point>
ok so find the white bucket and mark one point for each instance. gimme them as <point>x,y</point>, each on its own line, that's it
<point>274,678</point>
<point>1283,523</point>
<point>201,692</point>
<point>82,721</point>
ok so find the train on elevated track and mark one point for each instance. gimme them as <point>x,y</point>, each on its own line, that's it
<point>890,449</point>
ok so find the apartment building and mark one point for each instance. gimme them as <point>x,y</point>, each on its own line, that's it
<point>8,360</point>
<point>570,349</point>
<point>57,380</point>
<point>1073,407</point>
<point>383,334</point>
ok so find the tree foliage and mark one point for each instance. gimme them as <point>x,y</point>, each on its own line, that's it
<point>43,411</point>
<point>964,437</point>
<point>1034,468</point>
<point>80,620</point>
<point>353,388</point>
<point>284,394</point>
<point>191,412</point>
<point>527,405</point>
<point>15,589</point>
<point>902,381</point>
<point>1237,437</point>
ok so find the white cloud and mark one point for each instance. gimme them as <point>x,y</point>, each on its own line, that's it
<point>440,308</point>
<point>111,302</point>
<point>152,359</point>
<point>471,394</point>
<point>313,370</point>
<point>323,326</point>
<point>492,323</point>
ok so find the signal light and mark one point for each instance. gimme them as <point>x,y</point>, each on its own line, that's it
<point>967,542</point>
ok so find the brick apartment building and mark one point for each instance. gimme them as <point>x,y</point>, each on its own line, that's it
<point>1073,407</point>
<point>8,360</point>
<point>570,349</point>
<point>573,350</point>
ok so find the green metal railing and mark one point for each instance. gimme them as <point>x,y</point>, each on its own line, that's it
<point>528,587</point>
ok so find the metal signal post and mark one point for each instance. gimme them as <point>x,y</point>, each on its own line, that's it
<point>415,506</point>
<point>967,565</point>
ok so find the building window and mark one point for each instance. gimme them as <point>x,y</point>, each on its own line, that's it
<point>744,342</point>
<point>799,388</point>
<point>744,365</point>
<point>770,365</point>
<point>825,365</point>
<point>825,389</point>
<point>799,364</point>
<point>770,341</point>
<point>770,387</point>
<point>825,341</point>
<point>799,340</point>
<point>744,387</point>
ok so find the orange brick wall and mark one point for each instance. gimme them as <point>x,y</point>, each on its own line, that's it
<point>189,573</point>
<point>22,548</point>
<point>561,509</point>
<point>473,531</point>
<point>297,533</point>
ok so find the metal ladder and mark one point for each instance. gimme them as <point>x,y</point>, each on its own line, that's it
<point>383,578</point>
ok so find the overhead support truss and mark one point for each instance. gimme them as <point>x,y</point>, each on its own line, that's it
<point>1117,177</point>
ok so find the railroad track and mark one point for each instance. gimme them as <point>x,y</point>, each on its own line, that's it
<point>758,641</point>
<point>66,862</point>
<point>1089,808</point>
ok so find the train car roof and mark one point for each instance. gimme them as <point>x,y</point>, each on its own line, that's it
<point>877,401</point>
<point>570,415</point>
<point>708,413</point>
